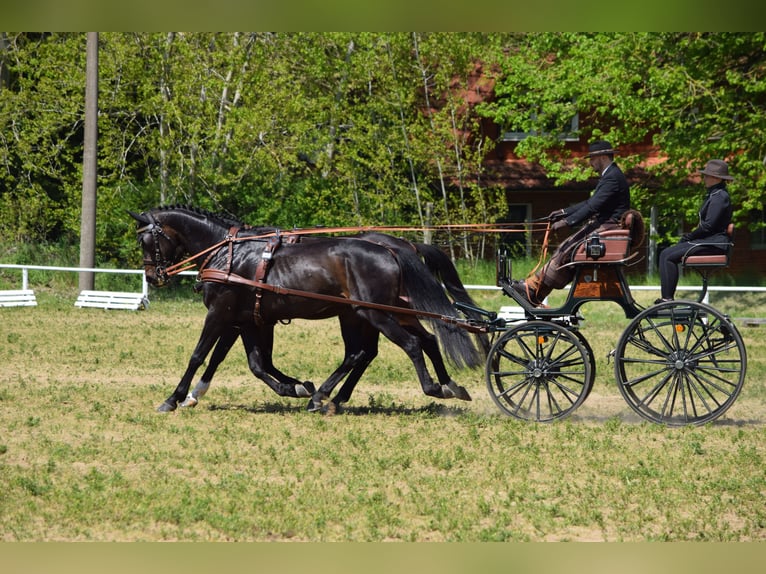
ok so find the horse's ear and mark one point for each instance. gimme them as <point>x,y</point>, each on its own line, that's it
<point>139,217</point>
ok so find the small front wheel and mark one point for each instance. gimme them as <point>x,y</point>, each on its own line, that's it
<point>680,363</point>
<point>539,371</point>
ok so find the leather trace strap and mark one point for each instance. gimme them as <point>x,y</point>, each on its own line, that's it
<point>221,276</point>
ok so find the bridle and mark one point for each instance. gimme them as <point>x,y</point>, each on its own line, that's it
<point>159,262</point>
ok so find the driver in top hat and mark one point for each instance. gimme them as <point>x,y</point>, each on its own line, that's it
<point>600,212</point>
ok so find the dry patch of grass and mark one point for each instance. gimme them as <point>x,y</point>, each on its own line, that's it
<point>84,456</point>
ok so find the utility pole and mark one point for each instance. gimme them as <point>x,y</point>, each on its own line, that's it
<point>89,168</point>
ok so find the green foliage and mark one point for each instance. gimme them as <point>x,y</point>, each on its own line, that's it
<point>301,129</point>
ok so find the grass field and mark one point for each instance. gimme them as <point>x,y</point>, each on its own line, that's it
<point>84,455</point>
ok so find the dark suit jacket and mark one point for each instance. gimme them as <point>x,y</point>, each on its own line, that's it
<point>609,200</point>
<point>715,216</point>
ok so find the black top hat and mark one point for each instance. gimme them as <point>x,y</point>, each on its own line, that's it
<point>717,168</point>
<point>601,147</point>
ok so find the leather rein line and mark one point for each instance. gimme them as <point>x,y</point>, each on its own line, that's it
<point>226,276</point>
<point>189,264</point>
<point>221,276</point>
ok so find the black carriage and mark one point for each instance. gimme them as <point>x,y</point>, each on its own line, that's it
<point>677,363</point>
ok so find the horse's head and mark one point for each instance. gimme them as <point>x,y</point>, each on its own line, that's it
<point>160,245</point>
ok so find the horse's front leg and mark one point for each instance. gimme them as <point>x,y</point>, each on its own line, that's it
<point>222,349</point>
<point>266,344</point>
<point>211,333</point>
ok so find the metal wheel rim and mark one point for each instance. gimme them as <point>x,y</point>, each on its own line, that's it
<point>680,363</point>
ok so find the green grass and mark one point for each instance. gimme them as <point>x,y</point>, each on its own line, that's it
<point>84,455</point>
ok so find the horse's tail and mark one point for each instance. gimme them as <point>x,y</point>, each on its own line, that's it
<point>425,293</point>
<point>442,268</point>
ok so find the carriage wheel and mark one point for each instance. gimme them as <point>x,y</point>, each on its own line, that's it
<point>539,371</point>
<point>680,363</point>
<point>591,358</point>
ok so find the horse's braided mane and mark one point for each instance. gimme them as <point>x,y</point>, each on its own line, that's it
<point>226,219</point>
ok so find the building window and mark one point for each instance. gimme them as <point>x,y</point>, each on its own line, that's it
<point>568,132</point>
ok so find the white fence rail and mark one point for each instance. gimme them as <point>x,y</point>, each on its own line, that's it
<point>18,298</point>
<point>124,300</point>
<point>102,299</point>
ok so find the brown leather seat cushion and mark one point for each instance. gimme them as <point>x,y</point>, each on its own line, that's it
<point>706,260</point>
<point>617,242</point>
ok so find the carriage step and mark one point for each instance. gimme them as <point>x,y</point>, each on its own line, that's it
<point>511,313</point>
<point>112,300</point>
<point>18,298</point>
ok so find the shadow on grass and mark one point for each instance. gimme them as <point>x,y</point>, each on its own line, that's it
<point>630,418</point>
<point>431,409</point>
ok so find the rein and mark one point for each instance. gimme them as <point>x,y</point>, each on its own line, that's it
<point>189,263</point>
<point>543,250</point>
<point>164,271</point>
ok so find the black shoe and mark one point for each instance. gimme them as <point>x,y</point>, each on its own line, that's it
<point>521,288</point>
<point>662,300</point>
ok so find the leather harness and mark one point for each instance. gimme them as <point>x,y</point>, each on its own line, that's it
<point>273,243</point>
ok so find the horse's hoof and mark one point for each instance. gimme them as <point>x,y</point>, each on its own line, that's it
<point>189,402</point>
<point>317,402</point>
<point>459,392</point>
<point>309,387</point>
<point>166,407</point>
<point>330,409</point>
<point>301,391</point>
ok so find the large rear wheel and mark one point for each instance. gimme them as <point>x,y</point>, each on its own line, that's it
<point>680,363</point>
<point>539,371</point>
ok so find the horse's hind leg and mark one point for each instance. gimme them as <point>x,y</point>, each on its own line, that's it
<point>412,345</point>
<point>220,351</point>
<point>258,346</point>
<point>360,348</point>
<point>430,347</point>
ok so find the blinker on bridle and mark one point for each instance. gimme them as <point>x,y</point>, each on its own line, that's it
<point>160,263</point>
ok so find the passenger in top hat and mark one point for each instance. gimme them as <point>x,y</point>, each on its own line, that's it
<point>715,217</point>
<point>600,212</point>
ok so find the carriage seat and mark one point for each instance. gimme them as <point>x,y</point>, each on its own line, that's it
<point>613,245</point>
<point>711,260</point>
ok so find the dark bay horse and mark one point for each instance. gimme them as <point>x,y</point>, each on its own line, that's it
<point>360,338</point>
<point>351,275</point>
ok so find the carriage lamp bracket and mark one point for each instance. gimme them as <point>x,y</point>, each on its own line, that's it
<point>594,248</point>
